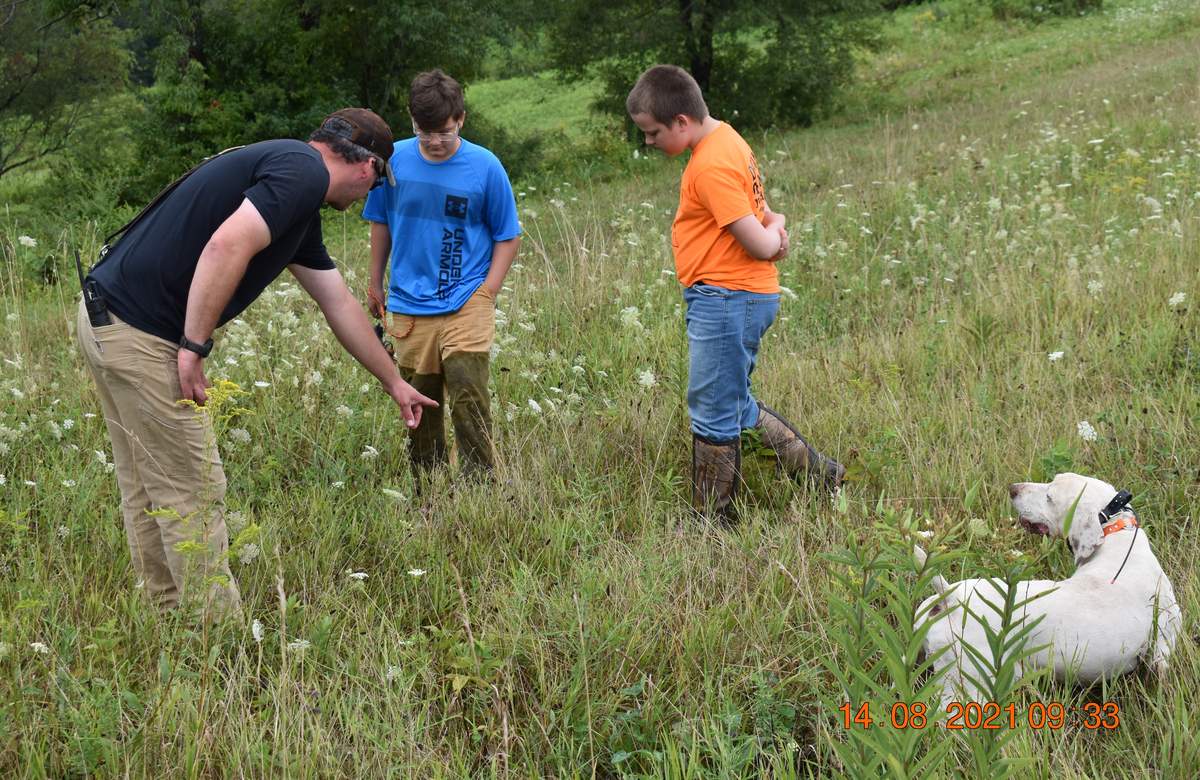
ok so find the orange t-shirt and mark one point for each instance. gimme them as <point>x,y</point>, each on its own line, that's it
<point>720,185</point>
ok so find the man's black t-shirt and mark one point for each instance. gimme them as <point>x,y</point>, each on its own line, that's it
<point>146,277</point>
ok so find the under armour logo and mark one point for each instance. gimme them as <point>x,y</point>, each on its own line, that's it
<point>456,207</point>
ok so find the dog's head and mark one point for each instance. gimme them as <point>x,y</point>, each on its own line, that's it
<point>1046,508</point>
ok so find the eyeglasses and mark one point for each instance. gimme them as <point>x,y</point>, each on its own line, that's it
<point>441,137</point>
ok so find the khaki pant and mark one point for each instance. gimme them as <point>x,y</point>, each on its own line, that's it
<point>168,468</point>
<point>447,355</point>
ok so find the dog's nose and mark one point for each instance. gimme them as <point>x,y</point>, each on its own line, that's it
<point>1014,489</point>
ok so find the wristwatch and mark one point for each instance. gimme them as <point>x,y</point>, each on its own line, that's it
<point>200,349</point>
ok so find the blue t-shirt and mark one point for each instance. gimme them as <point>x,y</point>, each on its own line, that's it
<point>444,218</point>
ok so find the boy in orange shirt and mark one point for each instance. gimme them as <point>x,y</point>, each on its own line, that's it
<point>726,243</point>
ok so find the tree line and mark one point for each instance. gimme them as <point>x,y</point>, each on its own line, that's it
<point>146,87</point>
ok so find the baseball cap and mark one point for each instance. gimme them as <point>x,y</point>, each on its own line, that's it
<point>365,128</point>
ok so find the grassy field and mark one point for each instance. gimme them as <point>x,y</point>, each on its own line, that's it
<point>1010,253</point>
<point>536,105</point>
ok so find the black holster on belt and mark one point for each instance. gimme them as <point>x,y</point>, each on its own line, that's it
<point>93,299</point>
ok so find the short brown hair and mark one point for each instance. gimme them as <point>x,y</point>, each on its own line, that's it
<point>664,92</point>
<point>434,99</point>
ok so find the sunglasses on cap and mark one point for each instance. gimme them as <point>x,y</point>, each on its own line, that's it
<point>381,172</point>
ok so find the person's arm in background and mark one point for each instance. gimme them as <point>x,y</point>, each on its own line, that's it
<point>503,254</point>
<point>765,240</point>
<point>381,249</point>
<point>500,215</point>
<point>723,191</point>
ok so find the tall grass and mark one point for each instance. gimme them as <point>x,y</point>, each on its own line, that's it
<point>574,620</point>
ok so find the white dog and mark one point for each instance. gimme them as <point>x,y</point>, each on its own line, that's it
<point>1092,627</point>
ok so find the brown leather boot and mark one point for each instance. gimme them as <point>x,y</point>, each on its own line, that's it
<point>716,472</point>
<point>795,455</point>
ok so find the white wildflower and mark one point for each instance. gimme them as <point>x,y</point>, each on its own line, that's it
<point>256,630</point>
<point>1054,357</point>
<point>416,572</point>
<point>369,453</point>
<point>28,241</point>
<point>344,411</point>
<point>68,424</point>
<point>39,647</point>
<point>1176,300</point>
<point>315,378</point>
<point>55,430</point>
<point>68,483</point>
<point>339,484</point>
<point>1086,431</point>
<point>358,575</point>
<point>299,645</point>
<point>535,406</point>
<point>394,494</point>
<point>62,531</point>
<point>630,318</point>
<point>392,673</point>
<point>240,435</point>
<point>260,383</point>
<point>1095,286</point>
<point>247,553</point>
<point>235,521</point>
<point>646,379</point>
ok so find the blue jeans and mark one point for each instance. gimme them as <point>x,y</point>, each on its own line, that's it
<point>724,328</point>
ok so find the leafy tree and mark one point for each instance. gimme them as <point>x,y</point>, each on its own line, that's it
<point>237,71</point>
<point>761,62</point>
<point>373,48</point>
<point>56,60</point>
<point>226,72</point>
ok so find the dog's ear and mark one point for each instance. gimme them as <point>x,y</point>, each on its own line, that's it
<point>1085,536</point>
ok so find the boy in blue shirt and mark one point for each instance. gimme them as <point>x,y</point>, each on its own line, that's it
<point>454,220</point>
